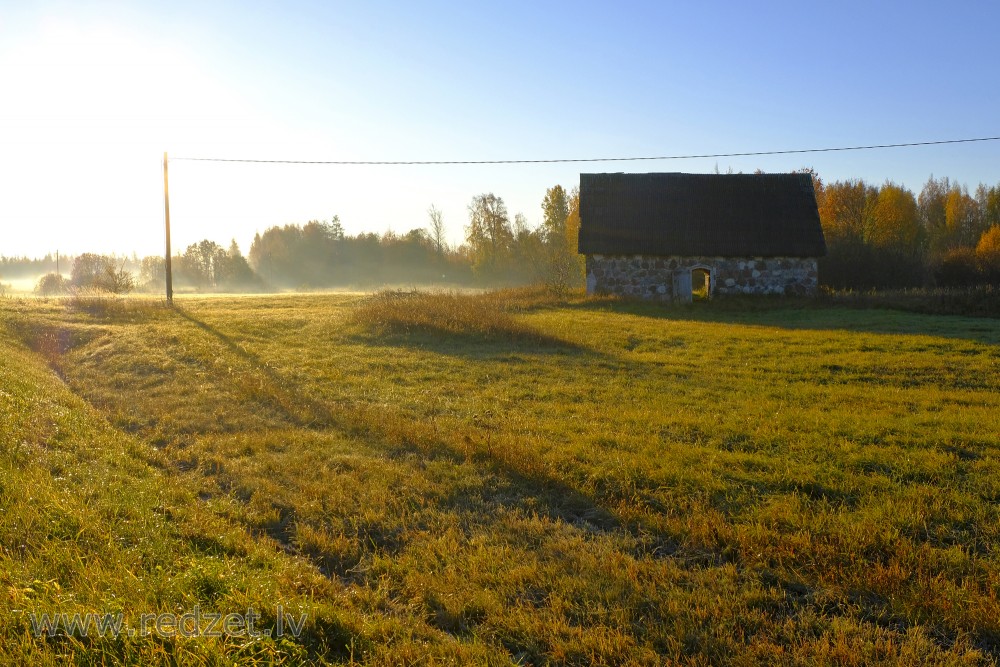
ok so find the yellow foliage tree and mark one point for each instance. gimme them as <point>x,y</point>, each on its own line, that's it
<point>573,230</point>
<point>844,209</point>
<point>894,221</point>
<point>573,220</point>
<point>988,252</point>
<point>959,215</point>
<point>490,236</point>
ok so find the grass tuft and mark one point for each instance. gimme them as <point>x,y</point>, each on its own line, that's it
<point>105,305</point>
<point>487,315</point>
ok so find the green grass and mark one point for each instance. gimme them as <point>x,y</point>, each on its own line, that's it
<point>503,479</point>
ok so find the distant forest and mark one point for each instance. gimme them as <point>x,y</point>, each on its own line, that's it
<point>878,236</point>
<point>884,236</point>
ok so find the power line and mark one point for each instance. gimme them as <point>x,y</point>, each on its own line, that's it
<point>595,159</point>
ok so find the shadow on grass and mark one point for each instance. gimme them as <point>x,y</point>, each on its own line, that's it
<point>474,346</point>
<point>456,324</point>
<point>806,314</point>
<point>358,421</point>
<point>298,409</point>
<point>526,477</point>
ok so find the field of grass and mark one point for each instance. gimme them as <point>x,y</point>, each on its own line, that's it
<point>502,479</point>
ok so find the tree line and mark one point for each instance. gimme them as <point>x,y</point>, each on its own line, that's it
<point>885,236</point>
<point>878,236</point>
<point>498,250</point>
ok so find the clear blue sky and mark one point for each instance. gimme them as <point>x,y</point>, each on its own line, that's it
<point>91,94</point>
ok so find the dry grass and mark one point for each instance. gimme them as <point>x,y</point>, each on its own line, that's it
<point>104,305</point>
<point>487,315</point>
<point>693,485</point>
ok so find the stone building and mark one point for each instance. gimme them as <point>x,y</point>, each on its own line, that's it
<point>669,236</point>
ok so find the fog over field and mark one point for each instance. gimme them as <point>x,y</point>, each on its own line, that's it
<point>21,285</point>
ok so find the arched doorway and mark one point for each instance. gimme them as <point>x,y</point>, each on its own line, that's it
<point>701,283</point>
<point>694,283</point>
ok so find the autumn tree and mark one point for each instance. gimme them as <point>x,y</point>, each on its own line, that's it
<point>561,269</point>
<point>573,220</point>
<point>933,205</point>
<point>555,210</point>
<point>489,235</point>
<point>960,216</point>
<point>988,254</point>
<point>844,211</point>
<point>893,221</point>
<point>573,235</point>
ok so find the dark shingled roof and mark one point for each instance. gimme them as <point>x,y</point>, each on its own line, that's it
<point>727,215</point>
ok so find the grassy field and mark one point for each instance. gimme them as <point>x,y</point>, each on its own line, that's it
<point>500,478</point>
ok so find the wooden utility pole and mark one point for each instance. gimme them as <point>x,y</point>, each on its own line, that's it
<point>166,222</point>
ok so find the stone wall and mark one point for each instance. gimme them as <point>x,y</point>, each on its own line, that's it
<point>654,277</point>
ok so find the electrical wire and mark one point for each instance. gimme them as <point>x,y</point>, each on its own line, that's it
<point>596,159</point>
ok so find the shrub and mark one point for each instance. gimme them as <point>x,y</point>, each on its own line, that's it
<point>978,301</point>
<point>51,284</point>
<point>98,272</point>
<point>958,267</point>
<point>851,264</point>
<point>485,315</point>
